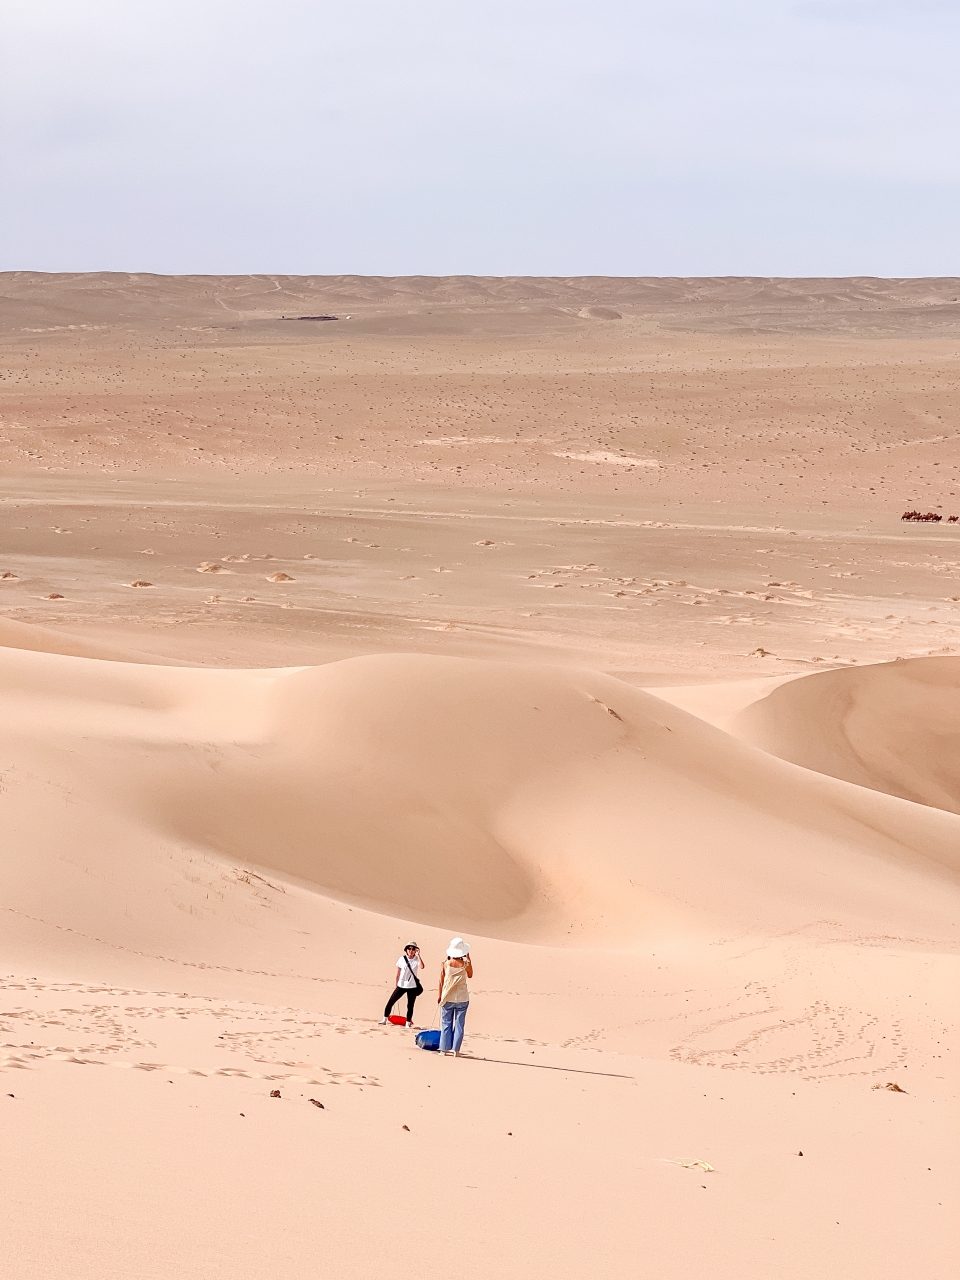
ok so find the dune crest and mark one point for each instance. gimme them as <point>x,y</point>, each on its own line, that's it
<point>24,635</point>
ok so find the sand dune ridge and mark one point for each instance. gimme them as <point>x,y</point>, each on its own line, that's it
<point>529,802</point>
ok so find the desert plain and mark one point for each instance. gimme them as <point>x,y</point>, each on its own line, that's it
<point>573,616</point>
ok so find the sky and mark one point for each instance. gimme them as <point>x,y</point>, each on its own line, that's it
<point>513,137</point>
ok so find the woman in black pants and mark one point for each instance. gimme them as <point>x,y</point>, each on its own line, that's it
<point>409,966</point>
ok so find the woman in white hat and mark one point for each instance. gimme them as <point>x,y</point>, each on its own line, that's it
<point>453,996</point>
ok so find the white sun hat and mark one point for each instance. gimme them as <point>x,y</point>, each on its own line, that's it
<point>457,949</point>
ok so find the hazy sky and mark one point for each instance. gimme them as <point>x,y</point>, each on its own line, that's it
<point>536,137</point>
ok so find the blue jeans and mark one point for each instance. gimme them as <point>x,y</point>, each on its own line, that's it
<point>452,1018</point>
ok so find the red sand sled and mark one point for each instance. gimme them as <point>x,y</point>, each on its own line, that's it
<point>397,1020</point>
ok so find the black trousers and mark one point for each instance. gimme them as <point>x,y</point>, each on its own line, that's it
<point>411,993</point>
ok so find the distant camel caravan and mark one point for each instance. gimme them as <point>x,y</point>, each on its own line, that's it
<point>931,516</point>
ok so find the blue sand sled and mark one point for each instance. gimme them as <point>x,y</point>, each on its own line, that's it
<point>428,1040</point>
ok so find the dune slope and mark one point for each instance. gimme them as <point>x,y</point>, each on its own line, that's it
<point>687,950</point>
<point>893,727</point>
<point>527,802</point>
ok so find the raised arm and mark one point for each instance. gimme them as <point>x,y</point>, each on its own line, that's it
<point>469,966</point>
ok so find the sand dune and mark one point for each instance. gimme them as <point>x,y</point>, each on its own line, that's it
<point>203,871</point>
<point>892,727</point>
<point>532,803</point>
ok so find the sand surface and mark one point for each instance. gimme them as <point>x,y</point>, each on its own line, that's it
<point>573,616</point>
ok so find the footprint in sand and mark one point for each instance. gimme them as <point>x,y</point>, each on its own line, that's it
<point>484,542</point>
<point>9,577</point>
<point>54,595</point>
<point>139,583</point>
<point>209,567</point>
<point>280,577</point>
